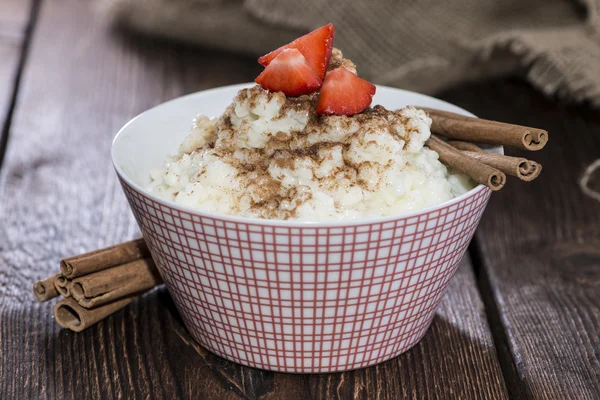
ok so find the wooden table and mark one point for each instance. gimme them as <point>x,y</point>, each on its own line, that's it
<point>521,318</point>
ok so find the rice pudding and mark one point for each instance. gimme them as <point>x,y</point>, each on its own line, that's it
<point>273,157</point>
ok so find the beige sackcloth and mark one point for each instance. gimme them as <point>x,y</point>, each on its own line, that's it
<point>421,45</point>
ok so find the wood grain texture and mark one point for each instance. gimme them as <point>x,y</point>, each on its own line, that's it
<point>59,196</point>
<point>10,54</point>
<point>14,20</point>
<point>540,247</point>
<point>14,16</point>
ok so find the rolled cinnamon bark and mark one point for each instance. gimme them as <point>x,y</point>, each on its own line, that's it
<point>45,289</point>
<point>464,146</point>
<point>520,167</point>
<point>477,170</point>
<point>98,260</point>
<point>106,286</point>
<point>461,127</point>
<point>69,314</point>
<point>62,286</point>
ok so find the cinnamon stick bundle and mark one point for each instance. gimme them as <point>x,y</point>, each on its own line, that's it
<point>461,127</point>
<point>477,170</point>
<point>520,167</point>
<point>99,283</point>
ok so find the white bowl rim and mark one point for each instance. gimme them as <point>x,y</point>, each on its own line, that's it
<point>285,223</point>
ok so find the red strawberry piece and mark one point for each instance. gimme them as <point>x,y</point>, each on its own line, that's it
<point>289,73</point>
<point>315,47</point>
<point>344,93</point>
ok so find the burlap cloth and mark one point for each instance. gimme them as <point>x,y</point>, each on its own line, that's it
<point>422,45</point>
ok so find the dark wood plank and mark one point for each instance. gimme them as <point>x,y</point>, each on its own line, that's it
<point>14,16</point>
<point>14,20</point>
<point>10,54</point>
<point>59,196</point>
<point>540,246</point>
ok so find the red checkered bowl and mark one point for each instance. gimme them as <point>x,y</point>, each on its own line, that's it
<point>293,296</point>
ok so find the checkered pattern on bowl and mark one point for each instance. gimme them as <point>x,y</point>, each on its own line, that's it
<point>307,298</point>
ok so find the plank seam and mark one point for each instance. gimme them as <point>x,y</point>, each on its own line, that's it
<point>27,37</point>
<point>515,386</point>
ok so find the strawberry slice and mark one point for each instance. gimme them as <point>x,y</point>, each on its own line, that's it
<point>344,93</point>
<point>315,47</point>
<point>289,73</point>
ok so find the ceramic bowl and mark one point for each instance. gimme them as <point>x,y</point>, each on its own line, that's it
<point>302,297</point>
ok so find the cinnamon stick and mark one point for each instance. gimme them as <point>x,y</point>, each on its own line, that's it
<point>98,260</point>
<point>480,172</point>
<point>69,314</point>
<point>62,286</point>
<point>461,127</point>
<point>45,289</point>
<point>520,167</point>
<point>464,146</point>
<point>106,286</point>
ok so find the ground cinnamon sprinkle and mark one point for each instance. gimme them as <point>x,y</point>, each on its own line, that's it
<point>285,149</point>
